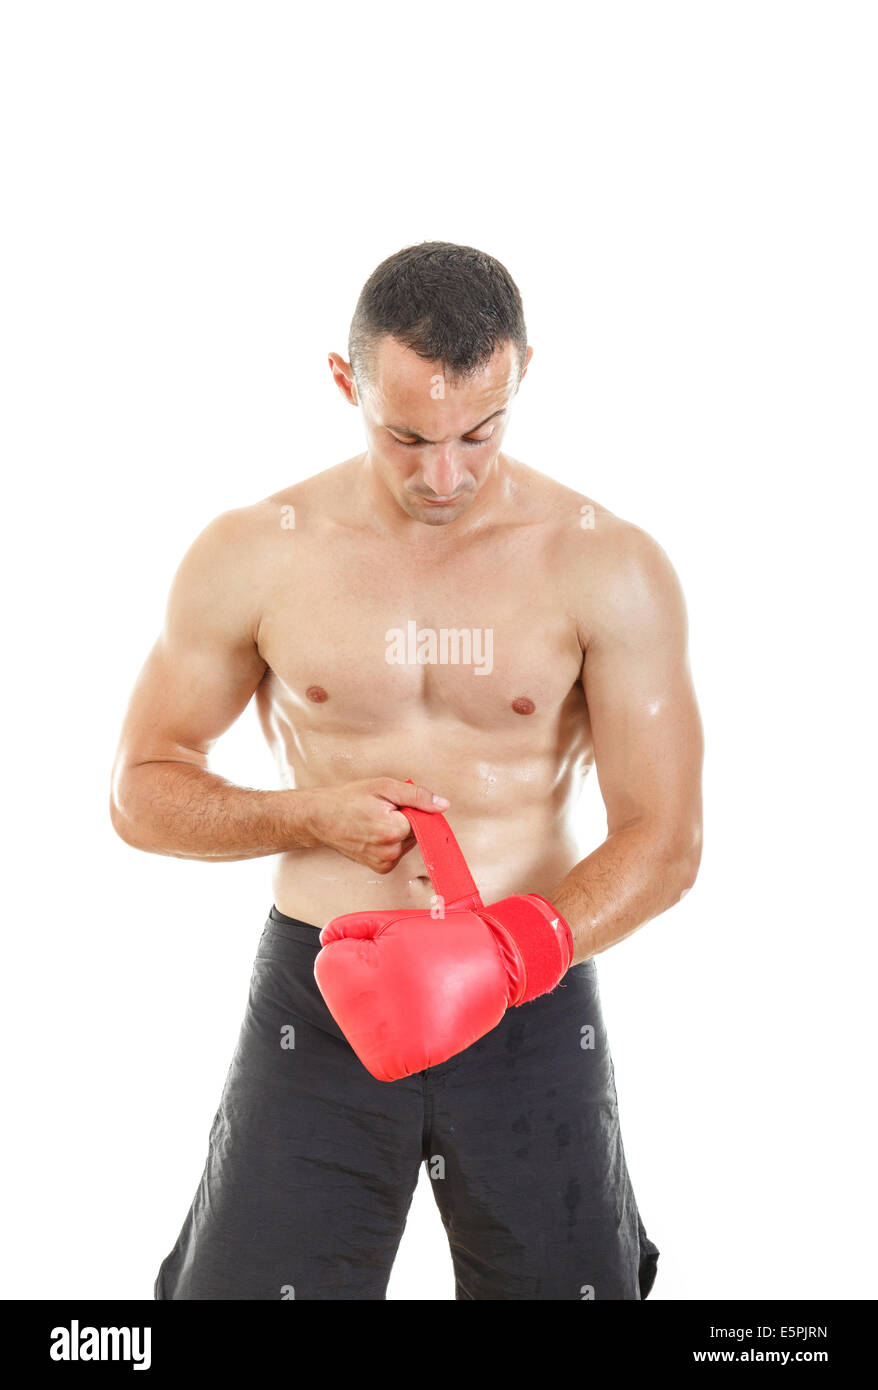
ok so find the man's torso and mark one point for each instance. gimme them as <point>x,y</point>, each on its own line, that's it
<point>456,662</point>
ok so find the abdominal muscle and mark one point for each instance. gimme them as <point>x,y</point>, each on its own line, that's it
<point>512,818</point>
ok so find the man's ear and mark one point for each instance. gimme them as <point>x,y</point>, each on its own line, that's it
<point>527,356</point>
<point>343,376</point>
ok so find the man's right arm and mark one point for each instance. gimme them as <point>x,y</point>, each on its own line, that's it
<point>196,681</point>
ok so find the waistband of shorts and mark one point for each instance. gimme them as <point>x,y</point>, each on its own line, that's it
<point>292,927</point>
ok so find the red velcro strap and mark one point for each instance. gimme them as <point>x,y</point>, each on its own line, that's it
<point>541,935</point>
<point>442,855</point>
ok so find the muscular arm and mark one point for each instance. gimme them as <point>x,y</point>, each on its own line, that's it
<point>648,751</point>
<point>198,678</point>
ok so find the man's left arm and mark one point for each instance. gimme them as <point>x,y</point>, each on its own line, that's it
<point>648,749</point>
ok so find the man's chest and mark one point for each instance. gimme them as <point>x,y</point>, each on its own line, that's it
<point>487,643</point>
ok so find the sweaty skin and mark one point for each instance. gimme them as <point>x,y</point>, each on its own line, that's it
<point>579,630</point>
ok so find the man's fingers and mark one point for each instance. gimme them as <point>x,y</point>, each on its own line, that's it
<point>407,794</point>
<point>390,857</point>
<point>396,828</point>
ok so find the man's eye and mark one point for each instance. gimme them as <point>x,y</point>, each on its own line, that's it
<point>416,443</point>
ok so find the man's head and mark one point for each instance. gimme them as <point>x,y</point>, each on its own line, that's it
<point>437,348</point>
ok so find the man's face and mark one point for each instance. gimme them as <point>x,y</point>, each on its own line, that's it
<point>434,444</point>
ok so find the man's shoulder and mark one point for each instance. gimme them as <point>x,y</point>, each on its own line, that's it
<point>320,495</point>
<point>590,534</point>
<point>248,529</point>
<point>615,573</point>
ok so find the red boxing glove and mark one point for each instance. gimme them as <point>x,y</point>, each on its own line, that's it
<point>409,989</point>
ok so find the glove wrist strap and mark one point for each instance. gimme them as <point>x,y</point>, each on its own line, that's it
<point>543,938</point>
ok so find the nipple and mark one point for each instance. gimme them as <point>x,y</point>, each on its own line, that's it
<point>522,705</point>
<point>316,694</point>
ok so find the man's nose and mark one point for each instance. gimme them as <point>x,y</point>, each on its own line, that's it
<point>441,474</point>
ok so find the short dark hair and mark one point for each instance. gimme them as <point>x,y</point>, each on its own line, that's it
<point>449,304</point>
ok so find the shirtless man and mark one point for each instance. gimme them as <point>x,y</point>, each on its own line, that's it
<point>315,601</point>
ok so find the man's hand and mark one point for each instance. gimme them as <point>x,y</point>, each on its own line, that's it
<point>409,989</point>
<point>362,820</point>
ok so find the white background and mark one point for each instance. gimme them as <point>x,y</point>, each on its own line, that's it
<point>685,193</point>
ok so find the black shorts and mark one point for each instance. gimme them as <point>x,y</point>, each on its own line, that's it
<point>312,1163</point>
